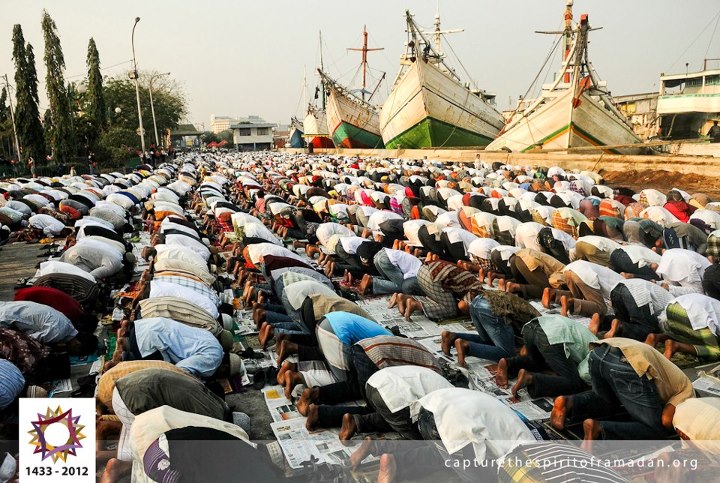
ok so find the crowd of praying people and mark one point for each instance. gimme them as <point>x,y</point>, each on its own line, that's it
<point>524,254</point>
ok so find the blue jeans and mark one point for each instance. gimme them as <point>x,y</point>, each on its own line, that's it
<point>392,278</point>
<point>615,384</point>
<point>495,339</point>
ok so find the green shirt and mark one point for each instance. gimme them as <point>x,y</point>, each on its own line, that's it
<point>574,336</point>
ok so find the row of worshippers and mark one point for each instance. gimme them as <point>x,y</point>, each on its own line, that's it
<point>176,342</point>
<point>443,289</point>
<point>57,316</point>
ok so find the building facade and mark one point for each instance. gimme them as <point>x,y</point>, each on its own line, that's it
<point>641,112</point>
<point>253,135</point>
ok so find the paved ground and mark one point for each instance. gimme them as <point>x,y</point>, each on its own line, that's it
<point>18,260</point>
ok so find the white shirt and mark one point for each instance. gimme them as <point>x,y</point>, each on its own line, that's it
<point>167,289</point>
<point>406,263</point>
<point>39,321</point>
<point>326,230</point>
<point>191,243</point>
<point>257,250</point>
<point>401,386</point>
<point>179,252</point>
<point>596,276</point>
<point>464,416</point>
<point>482,248</point>
<point>600,242</point>
<point>46,223</point>
<point>641,255</point>
<point>56,266</point>
<point>100,259</point>
<point>703,311</point>
<point>526,235</point>
<point>682,266</point>
<point>455,235</point>
<point>411,228</point>
<point>91,220</point>
<point>351,243</point>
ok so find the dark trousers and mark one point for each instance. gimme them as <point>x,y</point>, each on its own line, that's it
<point>638,322</point>
<point>351,263</point>
<point>383,420</point>
<point>353,388</point>
<point>711,281</point>
<point>621,262</point>
<point>541,355</point>
<point>615,384</point>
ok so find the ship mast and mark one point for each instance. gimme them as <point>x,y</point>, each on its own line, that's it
<point>568,35</point>
<point>322,68</point>
<point>364,51</point>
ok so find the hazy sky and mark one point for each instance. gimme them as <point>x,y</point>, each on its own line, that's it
<point>237,57</point>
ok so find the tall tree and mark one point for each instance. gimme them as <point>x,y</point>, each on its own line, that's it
<point>96,107</point>
<point>29,128</point>
<point>62,136</point>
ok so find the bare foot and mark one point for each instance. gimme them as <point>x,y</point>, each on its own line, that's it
<point>548,297</point>
<point>592,430</point>
<point>565,303</point>
<point>285,348</point>
<point>290,380</point>
<point>401,300</point>
<point>308,397</point>
<point>670,348</point>
<point>615,325</point>
<point>560,409</point>
<point>491,277</point>
<point>447,341</point>
<point>388,469</point>
<point>115,470</point>
<point>393,300</point>
<point>651,340</point>
<point>265,335</point>
<point>524,380</point>
<point>411,307</point>
<point>284,367</point>
<point>348,428</point>
<point>511,287</point>
<point>461,346</point>
<point>361,453</point>
<point>365,284</point>
<point>501,284</point>
<point>594,325</point>
<point>481,275</point>
<point>501,378</point>
<point>627,275</point>
<point>313,414</point>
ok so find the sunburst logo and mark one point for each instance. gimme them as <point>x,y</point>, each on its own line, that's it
<point>50,422</point>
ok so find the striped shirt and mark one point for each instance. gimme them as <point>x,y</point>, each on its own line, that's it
<point>387,351</point>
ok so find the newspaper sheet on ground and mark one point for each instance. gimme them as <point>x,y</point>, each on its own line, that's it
<point>299,445</point>
<point>281,408</point>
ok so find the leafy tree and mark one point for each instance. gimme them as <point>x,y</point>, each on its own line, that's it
<point>62,134</point>
<point>96,108</point>
<point>27,115</point>
<point>121,139</point>
<point>208,137</point>
<point>6,133</point>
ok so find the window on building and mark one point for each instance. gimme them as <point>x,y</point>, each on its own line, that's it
<point>696,82</point>
<point>712,80</point>
<point>263,131</point>
<point>244,132</point>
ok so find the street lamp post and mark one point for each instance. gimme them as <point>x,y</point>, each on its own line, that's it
<point>141,131</point>
<point>152,106</point>
<point>12,117</point>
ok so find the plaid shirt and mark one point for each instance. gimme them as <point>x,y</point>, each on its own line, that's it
<point>386,351</point>
<point>713,244</point>
<point>189,283</point>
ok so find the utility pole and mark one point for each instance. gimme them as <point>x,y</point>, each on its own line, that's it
<point>12,117</point>
<point>141,131</point>
<point>152,106</point>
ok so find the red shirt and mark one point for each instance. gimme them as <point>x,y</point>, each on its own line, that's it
<point>54,298</point>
